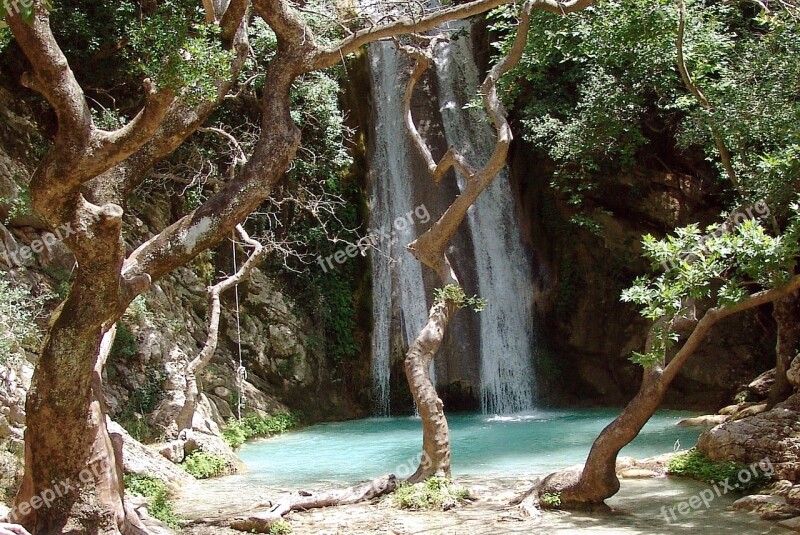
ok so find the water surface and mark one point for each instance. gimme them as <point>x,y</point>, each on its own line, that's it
<point>536,442</point>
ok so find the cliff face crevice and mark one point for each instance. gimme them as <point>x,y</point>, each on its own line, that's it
<point>580,271</point>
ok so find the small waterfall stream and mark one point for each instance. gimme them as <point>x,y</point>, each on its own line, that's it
<point>501,264</point>
<point>396,275</point>
<point>504,270</point>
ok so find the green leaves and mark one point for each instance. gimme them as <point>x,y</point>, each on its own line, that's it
<point>178,51</point>
<point>455,294</point>
<point>598,92</point>
<point>719,266</point>
<point>19,311</point>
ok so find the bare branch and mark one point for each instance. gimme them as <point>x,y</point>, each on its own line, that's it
<point>192,390</point>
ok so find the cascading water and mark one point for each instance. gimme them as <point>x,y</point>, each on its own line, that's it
<point>501,264</point>
<point>503,267</point>
<point>394,271</point>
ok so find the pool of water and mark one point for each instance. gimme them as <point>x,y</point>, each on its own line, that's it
<point>537,442</point>
<point>495,456</point>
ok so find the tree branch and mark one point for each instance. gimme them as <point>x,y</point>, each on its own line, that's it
<point>192,391</point>
<point>429,248</point>
<point>290,29</point>
<point>719,141</point>
<point>327,56</point>
<point>715,314</point>
<point>222,211</point>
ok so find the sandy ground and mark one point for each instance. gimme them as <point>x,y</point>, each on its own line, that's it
<point>636,512</point>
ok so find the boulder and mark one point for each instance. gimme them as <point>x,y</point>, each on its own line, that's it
<point>708,420</point>
<point>773,435</point>
<point>143,460</point>
<point>792,523</point>
<point>767,506</point>
<point>173,451</point>
<point>751,410</point>
<point>793,375</point>
<point>731,409</point>
<point>793,495</point>
<point>637,473</point>
<point>761,385</point>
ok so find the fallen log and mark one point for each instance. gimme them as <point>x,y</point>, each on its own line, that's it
<point>258,520</point>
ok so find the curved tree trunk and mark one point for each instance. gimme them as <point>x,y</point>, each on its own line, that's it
<point>73,478</point>
<point>429,248</point>
<point>598,480</point>
<point>435,431</point>
<point>198,364</point>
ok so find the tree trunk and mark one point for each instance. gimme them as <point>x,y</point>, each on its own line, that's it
<point>429,248</point>
<point>72,482</point>
<point>435,432</point>
<point>598,480</point>
<point>786,312</point>
<point>198,364</point>
<point>262,521</point>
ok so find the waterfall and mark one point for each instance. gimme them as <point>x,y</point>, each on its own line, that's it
<point>502,267</point>
<point>396,275</point>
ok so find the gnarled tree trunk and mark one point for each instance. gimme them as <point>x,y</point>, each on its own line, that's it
<point>598,480</point>
<point>429,248</point>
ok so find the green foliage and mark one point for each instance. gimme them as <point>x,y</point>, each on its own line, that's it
<point>177,51</point>
<point>599,91</point>
<point>551,500</point>
<point>5,38</point>
<point>125,345</point>
<point>205,464</point>
<point>696,465</point>
<point>592,77</point>
<point>280,527</point>
<point>157,494</point>
<point>142,401</point>
<point>19,311</point>
<point>455,294</point>
<point>139,310</point>
<point>321,171</point>
<point>20,203</point>
<point>720,264</point>
<point>435,493</point>
<point>236,432</point>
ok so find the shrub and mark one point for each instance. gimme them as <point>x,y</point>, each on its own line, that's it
<point>435,493</point>
<point>280,527</point>
<point>551,500</point>
<point>254,425</point>
<point>143,401</point>
<point>125,345</point>
<point>157,494</point>
<point>696,465</point>
<point>19,310</point>
<point>205,464</point>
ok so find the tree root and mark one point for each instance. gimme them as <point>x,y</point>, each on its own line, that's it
<point>258,520</point>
